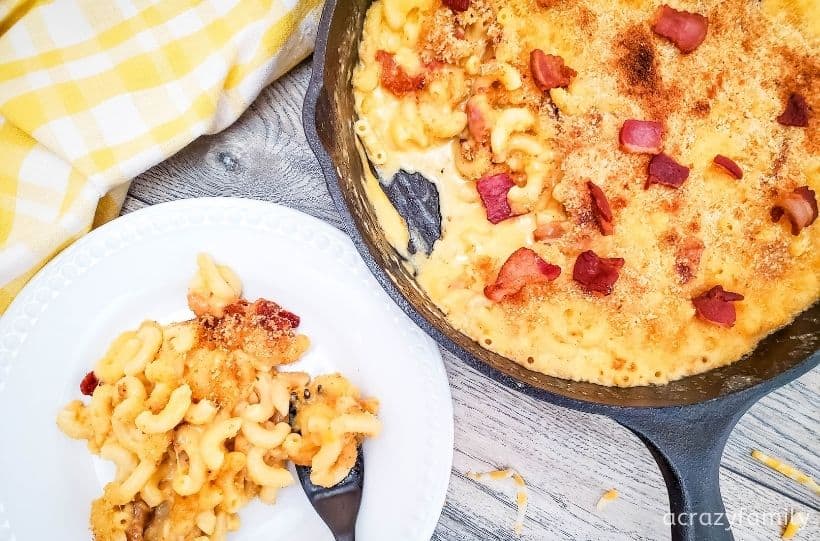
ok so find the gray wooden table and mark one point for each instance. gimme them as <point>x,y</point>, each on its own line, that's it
<point>567,458</point>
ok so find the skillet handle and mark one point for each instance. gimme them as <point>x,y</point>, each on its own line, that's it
<point>687,443</point>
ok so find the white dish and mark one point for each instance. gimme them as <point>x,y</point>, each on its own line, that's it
<point>138,267</point>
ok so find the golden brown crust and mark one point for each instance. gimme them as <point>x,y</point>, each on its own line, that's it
<point>220,364</point>
<point>722,98</point>
<point>639,77</point>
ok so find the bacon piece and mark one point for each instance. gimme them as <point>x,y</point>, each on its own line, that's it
<point>549,71</point>
<point>273,317</point>
<point>600,208</point>
<point>493,192</point>
<point>686,30</point>
<point>394,78</point>
<point>715,306</point>
<point>687,259</point>
<point>457,5</point>
<point>729,165</point>
<point>523,267</point>
<point>664,170</point>
<point>548,231</point>
<point>477,119</point>
<point>796,112</point>
<point>291,318</point>
<point>89,383</point>
<point>800,206</point>
<point>596,274</point>
<point>641,136</point>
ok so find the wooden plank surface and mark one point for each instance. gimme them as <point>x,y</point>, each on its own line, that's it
<point>568,458</point>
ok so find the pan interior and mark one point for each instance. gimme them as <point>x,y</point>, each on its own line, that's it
<point>334,116</point>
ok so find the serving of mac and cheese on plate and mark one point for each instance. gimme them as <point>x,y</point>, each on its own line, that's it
<point>202,401</point>
<point>198,417</point>
<point>627,190</point>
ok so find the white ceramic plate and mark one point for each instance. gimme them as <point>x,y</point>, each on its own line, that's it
<point>138,267</point>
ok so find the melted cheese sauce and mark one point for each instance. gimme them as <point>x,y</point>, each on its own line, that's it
<point>721,99</point>
<point>393,225</point>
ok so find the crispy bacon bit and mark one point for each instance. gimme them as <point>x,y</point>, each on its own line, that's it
<point>549,71</point>
<point>716,306</point>
<point>394,78</point>
<point>477,120</point>
<point>796,113</point>
<point>523,267</point>
<point>664,170</point>
<point>274,317</point>
<point>292,318</point>
<point>687,259</point>
<point>729,165</point>
<point>641,136</point>
<point>89,383</point>
<point>800,206</point>
<point>266,308</point>
<point>457,5</point>
<point>596,274</point>
<point>493,192</point>
<point>686,30</point>
<point>548,231</point>
<point>600,208</point>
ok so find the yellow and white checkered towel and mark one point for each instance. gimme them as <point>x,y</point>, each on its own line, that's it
<point>94,92</point>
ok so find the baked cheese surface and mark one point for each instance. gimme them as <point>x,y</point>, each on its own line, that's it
<point>723,98</point>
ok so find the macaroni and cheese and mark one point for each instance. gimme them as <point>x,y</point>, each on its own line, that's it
<point>198,419</point>
<point>648,161</point>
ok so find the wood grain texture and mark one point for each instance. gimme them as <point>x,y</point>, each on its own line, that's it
<point>568,458</point>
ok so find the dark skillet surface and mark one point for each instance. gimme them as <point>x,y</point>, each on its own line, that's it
<point>329,116</point>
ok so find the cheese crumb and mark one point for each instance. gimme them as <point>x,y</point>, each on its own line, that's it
<point>787,469</point>
<point>608,496</point>
<point>796,521</point>
<point>521,496</point>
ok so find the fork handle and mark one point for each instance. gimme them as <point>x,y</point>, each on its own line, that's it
<point>349,536</point>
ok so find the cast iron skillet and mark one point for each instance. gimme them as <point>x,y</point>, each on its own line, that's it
<point>685,424</point>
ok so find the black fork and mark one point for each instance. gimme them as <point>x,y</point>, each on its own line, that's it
<point>338,505</point>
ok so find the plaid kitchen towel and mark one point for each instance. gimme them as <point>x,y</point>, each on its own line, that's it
<point>94,92</point>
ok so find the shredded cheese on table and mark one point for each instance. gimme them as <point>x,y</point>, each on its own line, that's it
<point>787,469</point>
<point>796,521</point>
<point>521,497</point>
<point>608,496</point>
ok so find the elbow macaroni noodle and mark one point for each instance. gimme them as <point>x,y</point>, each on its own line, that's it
<point>508,122</point>
<point>213,287</point>
<point>175,443</point>
<point>397,12</point>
